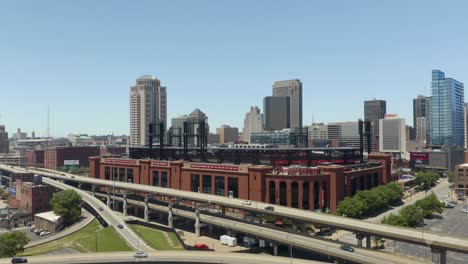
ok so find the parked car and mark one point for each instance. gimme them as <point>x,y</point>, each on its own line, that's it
<point>464,210</point>
<point>120,226</point>
<point>202,246</point>
<point>246,202</point>
<point>73,177</point>
<point>140,254</point>
<point>44,233</point>
<point>270,208</point>
<point>19,260</point>
<point>347,248</point>
<point>449,205</point>
<point>100,208</point>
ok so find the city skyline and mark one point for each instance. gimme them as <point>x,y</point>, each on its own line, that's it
<point>86,82</point>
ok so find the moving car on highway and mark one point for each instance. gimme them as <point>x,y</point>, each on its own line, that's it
<point>140,254</point>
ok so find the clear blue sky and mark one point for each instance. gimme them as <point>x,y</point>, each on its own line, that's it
<point>80,57</point>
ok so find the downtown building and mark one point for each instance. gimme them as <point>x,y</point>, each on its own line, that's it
<point>195,120</point>
<point>293,90</point>
<point>419,109</point>
<point>447,120</point>
<point>276,113</point>
<point>4,144</point>
<point>346,134</point>
<point>392,134</point>
<point>253,122</point>
<point>148,105</point>
<point>227,134</point>
<point>374,110</point>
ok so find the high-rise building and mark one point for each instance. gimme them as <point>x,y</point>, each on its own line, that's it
<point>466,125</point>
<point>4,144</point>
<point>253,122</point>
<point>392,134</point>
<point>292,89</point>
<point>193,126</point>
<point>148,105</point>
<point>227,134</point>
<point>419,109</point>
<point>317,131</point>
<point>428,119</point>
<point>276,111</point>
<point>447,111</point>
<point>421,130</point>
<point>374,110</point>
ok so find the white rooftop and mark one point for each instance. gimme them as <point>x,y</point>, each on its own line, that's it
<point>49,216</point>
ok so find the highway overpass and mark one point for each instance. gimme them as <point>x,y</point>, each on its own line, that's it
<point>166,257</point>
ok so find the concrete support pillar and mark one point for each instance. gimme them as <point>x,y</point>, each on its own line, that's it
<point>359,238</point>
<point>170,217</point>
<point>304,228</point>
<point>146,210</point>
<point>136,211</point>
<point>294,227</point>
<point>93,188</point>
<point>368,241</point>
<point>275,250</point>
<point>439,255</point>
<point>108,200</point>
<point>125,205</point>
<point>197,222</point>
<point>80,185</point>
<point>210,229</point>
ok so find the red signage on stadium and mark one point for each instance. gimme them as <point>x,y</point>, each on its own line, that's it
<point>160,163</point>
<point>121,161</point>
<point>214,167</point>
<point>300,171</point>
<point>422,156</point>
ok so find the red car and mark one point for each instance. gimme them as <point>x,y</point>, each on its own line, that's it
<point>202,246</point>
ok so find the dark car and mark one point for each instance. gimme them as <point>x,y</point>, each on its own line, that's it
<point>347,248</point>
<point>270,208</point>
<point>19,260</point>
<point>100,208</point>
<point>120,226</point>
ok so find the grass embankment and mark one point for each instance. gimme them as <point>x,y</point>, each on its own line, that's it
<point>84,240</point>
<point>157,239</point>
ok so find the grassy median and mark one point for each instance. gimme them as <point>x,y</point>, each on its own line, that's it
<point>91,238</point>
<point>157,239</point>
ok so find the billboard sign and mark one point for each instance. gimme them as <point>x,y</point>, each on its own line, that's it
<point>71,162</point>
<point>419,157</point>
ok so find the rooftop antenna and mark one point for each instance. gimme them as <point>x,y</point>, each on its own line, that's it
<point>313,119</point>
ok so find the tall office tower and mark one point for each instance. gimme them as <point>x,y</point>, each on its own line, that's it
<point>276,111</point>
<point>373,111</point>
<point>428,119</point>
<point>227,134</point>
<point>292,89</point>
<point>419,109</point>
<point>148,104</point>
<point>193,128</point>
<point>4,144</point>
<point>466,125</point>
<point>392,134</point>
<point>447,111</point>
<point>421,131</point>
<point>317,131</point>
<point>253,122</point>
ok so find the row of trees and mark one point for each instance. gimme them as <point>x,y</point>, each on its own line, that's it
<point>78,170</point>
<point>12,243</point>
<point>413,215</point>
<point>365,203</point>
<point>425,180</point>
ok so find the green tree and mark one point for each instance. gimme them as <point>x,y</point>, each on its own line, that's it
<point>396,220</point>
<point>372,200</point>
<point>429,205</point>
<point>67,204</point>
<point>450,177</point>
<point>412,214</point>
<point>351,207</point>
<point>394,191</point>
<point>12,243</point>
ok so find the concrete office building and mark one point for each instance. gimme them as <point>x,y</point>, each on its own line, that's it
<point>317,131</point>
<point>4,144</point>
<point>253,122</point>
<point>428,119</point>
<point>438,160</point>
<point>148,105</point>
<point>276,110</point>
<point>347,134</point>
<point>227,134</point>
<point>447,111</point>
<point>19,135</point>
<point>293,90</point>
<point>466,125</point>
<point>419,109</point>
<point>193,125</point>
<point>460,182</point>
<point>421,130</point>
<point>392,134</point>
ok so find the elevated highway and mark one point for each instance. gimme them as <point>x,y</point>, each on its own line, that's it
<point>166,257</point>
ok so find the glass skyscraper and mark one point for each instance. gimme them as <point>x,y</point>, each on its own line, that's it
<point>447,111</point>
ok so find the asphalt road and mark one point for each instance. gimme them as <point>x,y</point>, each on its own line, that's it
<point>453,223</point>
<point>165,257</point>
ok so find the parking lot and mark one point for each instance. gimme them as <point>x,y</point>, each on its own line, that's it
<point>453,222</point>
